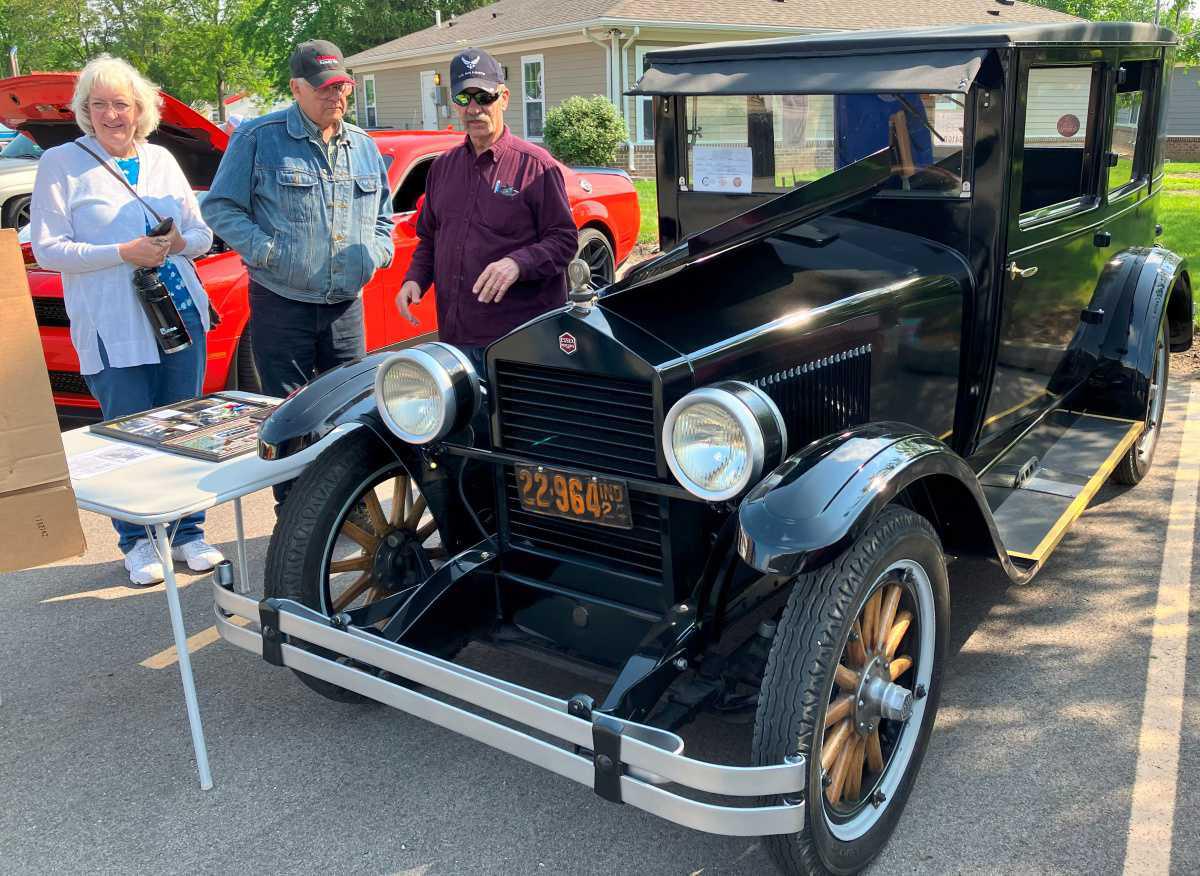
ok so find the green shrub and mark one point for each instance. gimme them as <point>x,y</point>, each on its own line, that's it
<point>585,130</point>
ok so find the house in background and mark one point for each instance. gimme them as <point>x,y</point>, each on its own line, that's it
<point>553,50</point>
<point>1183,115</point>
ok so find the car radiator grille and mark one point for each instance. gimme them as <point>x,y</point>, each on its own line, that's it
<point>593,423</point>
<point>68,382</point>
<point>51,312</point>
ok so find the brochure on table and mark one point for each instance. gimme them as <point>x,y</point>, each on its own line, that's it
<point>213,427</point>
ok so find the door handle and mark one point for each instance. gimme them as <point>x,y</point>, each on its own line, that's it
<point>1015,271</point>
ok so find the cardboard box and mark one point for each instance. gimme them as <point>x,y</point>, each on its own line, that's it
<point>39,521</point>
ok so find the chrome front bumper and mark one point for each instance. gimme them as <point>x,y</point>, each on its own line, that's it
<point>633,763</point>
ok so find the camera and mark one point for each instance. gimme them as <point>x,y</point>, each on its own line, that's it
<point>166,323</point>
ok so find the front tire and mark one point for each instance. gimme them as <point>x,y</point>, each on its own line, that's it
<point>332,549</point>
<point>861,642</point>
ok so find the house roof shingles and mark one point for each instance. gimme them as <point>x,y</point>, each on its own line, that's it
<point>492,23</point>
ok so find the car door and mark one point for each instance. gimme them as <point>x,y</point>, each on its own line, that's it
<point>1053,259</point>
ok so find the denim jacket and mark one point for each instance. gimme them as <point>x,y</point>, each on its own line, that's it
<point>307,230</point>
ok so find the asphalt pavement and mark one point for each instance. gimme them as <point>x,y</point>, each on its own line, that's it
<point>1047,757</point>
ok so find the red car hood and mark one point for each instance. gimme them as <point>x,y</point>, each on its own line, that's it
<point>40,105</point>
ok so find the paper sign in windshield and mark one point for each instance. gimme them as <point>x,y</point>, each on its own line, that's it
<point>723,169</point>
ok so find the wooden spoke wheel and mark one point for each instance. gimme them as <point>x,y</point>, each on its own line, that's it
<point>387,541</point>
<point>851,685</point>
<point>354,529</point>
<point>871,699</point>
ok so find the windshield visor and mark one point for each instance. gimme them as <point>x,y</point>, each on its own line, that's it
<point>770,144</point>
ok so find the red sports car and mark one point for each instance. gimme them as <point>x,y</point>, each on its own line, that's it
<point>603,202</point>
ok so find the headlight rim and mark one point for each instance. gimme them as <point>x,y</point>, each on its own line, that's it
<point>725,396</point>
<point>447,385</point>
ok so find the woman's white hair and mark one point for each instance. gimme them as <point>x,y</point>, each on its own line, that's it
<point>117,73</point>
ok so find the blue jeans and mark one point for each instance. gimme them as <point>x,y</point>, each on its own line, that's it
<point>124,391</point>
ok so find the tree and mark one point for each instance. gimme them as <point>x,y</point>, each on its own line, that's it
<point>1171,13</point>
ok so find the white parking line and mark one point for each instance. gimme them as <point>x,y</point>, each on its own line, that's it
<point>1152,815</point>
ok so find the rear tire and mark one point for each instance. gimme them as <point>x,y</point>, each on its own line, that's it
<point>1135,464</point>
<point>16,212</point>
<point>814,677</point>
<point>243,375</point>
<point>325,552</point>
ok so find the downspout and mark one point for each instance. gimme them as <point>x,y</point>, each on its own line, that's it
<point>621,93</point>
<point>607,56</point>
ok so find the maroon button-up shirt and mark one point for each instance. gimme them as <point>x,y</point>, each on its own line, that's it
<point>511,201</point>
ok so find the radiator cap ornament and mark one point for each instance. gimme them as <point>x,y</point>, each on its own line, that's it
<point>566,343</point>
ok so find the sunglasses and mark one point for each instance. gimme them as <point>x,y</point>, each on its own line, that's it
<point>483,98</point>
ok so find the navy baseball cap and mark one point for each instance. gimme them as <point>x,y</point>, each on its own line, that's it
<point>475,68</point>
<point>319,63</point>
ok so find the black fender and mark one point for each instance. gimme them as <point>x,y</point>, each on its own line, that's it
<point>814,505</point>
<point>1157,288</point>
<point>341,395</point>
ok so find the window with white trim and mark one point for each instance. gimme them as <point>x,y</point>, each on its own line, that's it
<point>369,119</point>
<point>533,95</point>
<point>644,106</point>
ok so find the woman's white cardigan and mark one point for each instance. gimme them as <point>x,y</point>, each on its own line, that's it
<point>78,217</point>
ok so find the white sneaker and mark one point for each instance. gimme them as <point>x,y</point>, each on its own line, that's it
<point>145,567</point>
<point>199,555</point>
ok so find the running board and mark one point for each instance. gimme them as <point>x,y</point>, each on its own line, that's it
<point>1041,484</point>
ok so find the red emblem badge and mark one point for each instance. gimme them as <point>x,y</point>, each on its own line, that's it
<point>566,343</point>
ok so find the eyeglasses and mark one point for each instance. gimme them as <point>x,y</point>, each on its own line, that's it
<point>329,92</point>
<point>483,98</point>
<point>103,106</point>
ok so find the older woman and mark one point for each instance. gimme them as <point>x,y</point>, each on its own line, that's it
<point>86,224</point>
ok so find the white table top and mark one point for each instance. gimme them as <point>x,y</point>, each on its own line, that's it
<point>166,486</point>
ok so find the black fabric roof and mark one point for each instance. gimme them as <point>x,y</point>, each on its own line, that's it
<point>932,59</point>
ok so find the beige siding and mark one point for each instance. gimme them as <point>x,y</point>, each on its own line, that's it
<point>398,97</point>
<point>566,71</point>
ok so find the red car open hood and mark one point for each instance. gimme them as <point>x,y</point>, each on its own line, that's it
<point>40,105</point>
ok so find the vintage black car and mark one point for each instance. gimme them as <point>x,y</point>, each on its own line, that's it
<point>910,308</point>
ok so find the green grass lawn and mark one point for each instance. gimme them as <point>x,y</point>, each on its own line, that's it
<point>648,200</point>
<point>1182,167</point>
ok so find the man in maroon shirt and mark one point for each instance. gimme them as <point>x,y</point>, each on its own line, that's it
<point>495,231</point>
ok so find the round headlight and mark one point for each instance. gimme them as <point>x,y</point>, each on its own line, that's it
<point>720,439</point>
<point>426,392</point>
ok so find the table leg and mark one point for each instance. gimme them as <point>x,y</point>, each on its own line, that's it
<point>185,662</point>
<point>243,583</point>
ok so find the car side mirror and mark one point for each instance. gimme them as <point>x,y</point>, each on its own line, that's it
<point>1111,159</point>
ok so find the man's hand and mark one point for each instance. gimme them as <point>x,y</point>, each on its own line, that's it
<point>495,280</point>
<point>409,294</point>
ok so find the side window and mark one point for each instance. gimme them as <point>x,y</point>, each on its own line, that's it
<point>1126,158</point>
<point>533,95</point>
<point>369,119</point>
<point>413,186</point>
<point>1060,121</point>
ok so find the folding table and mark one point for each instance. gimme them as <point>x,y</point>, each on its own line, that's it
<point>164,487</point>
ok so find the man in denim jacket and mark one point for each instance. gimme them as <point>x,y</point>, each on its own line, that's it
<point>303,197</point>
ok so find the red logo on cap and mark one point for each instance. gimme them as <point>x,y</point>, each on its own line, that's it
<point>327,59</point>
<point>566,343</point>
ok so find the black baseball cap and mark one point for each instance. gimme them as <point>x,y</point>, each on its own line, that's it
<point>319,63</point>
<point>475,68</point>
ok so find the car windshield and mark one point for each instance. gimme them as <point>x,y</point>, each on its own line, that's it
<point>747,144</point>
<point>21,147</point>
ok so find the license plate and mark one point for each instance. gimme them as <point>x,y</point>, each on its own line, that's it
<point>573,496</point>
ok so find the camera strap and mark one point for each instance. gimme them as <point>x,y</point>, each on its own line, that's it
<point>214,316</point>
